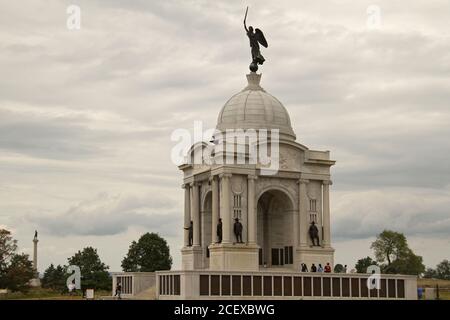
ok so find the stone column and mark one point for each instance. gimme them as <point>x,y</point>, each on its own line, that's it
<point>251,210</point>
<point>35,243</point>
<point>195,213</point>
<point>225,210</point>
<point>187,213</point>
<point>296,227</point>
<point>215,208</point>
<point>326,213</point>
<point>302,208</point>
<point>35,282</point>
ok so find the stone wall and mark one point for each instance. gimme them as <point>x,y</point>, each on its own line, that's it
<point>281,285</point>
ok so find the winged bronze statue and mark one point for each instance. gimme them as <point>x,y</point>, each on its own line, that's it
<point>256,38</point>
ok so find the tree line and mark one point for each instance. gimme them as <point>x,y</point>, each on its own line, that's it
<point>151,252</point>
<point>148,254</point>
<point>393,255</point>
<point>16,269</point>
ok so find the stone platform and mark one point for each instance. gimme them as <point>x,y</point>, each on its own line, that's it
<point>271,284</point>
<point>135,285</point>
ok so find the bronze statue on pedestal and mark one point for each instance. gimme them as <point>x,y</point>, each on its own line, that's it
<point>256,38</point>
<point>238,230</point>
<point>314,234</point>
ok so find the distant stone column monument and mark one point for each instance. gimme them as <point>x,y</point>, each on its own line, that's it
<point>35,282</point>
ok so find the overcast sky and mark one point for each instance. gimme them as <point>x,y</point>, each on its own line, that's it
<point>86,115</point>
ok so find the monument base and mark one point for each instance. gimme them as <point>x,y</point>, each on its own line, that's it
<point>317,255</point>
<point>272,284</point>
<point>239,256</point>
<point>192,258</point>
<point>36,282</point>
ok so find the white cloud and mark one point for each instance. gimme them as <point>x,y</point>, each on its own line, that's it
<point>90,112</point>
<point>415,212</point>
<point>111,214</point>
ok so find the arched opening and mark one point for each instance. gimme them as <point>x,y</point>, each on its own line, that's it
<point>205,224</point>
<point>275,232</point>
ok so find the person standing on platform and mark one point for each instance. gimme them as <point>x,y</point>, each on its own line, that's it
<point>304,267</point>
<point>118,291</point>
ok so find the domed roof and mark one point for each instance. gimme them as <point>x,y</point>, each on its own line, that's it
<point>254,108</point>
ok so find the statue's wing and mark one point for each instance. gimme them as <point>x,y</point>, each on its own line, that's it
<point>260,37</point>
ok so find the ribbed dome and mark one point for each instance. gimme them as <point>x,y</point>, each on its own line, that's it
<point>254,108</point>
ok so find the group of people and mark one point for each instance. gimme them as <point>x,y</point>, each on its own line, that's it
<point>319,268</point>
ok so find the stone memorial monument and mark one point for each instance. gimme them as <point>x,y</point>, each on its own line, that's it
<point>35,282</point>
<point>257,209</point>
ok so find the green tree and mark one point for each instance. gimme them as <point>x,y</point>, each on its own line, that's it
<point>8,247</point>
<point>389,245</point>
<point>443,270</point>
<point>16,270</point>
<point>94,274</point>
<point>19,273</point>
<point>55,278</point>
<point>408,263</point>
<point>392,252</point>
<point>47,278</point>
<point>60,278</point>
<point>149,254</point>
<point>362,264</point>
<point>430,273</point>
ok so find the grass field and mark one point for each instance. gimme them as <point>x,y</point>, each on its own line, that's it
<point>444,286</point>
<point>444,295</point>
<point>433,282</point>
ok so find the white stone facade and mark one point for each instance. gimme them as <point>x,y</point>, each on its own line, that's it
<point>276,210</point>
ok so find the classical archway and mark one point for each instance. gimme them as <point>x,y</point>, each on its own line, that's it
<point>275,232</point>
<point>205,223</point>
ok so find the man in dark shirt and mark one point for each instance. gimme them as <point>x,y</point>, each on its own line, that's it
<point>118,291</point>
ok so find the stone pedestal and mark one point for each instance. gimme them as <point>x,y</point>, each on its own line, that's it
<point>316,255</point>
<point>191,258</point>
<point>232,257</point>
<point>36,282</point>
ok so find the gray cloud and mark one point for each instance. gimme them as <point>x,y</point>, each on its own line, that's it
<point>91,111</point>
<point>415,212</point>
<point>110,215</point>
